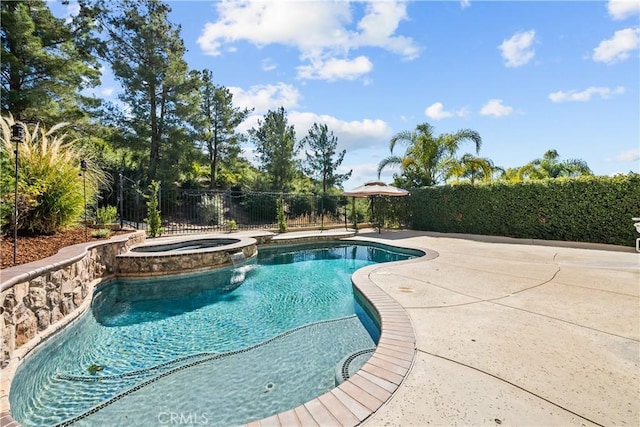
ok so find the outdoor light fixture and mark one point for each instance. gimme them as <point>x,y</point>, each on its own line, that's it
<point>83,167</point>
<point>17,136</point>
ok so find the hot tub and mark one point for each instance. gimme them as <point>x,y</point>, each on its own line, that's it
<point>183,254</point>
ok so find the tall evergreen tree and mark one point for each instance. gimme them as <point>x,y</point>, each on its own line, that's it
<point>276,148</point>
<point>146,54</point>
<point>320,163</point>
<point>220,120</point>
<point>45,64</point>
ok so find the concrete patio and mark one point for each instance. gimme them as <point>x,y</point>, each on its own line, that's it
<point>507,332</point>
<point>514,332</point>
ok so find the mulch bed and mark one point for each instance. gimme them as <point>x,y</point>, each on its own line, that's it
<point>33,248</point>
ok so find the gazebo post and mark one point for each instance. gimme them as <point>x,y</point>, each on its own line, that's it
<point>353,213</point>
<point>372,189</point>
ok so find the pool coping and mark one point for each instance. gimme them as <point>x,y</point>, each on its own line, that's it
<point>360,396</point>
<point>353,401</point>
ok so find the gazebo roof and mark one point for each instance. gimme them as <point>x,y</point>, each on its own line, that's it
<point>376,188</point>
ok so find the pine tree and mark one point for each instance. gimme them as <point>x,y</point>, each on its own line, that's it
<point>45,64</point>
<point>276,149</point>
<point>220,120</point>
<point>146,54</point>
<point>320,163</point>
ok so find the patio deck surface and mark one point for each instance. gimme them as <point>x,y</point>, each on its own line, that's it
<point>514,334</point>
<point>507,332</point>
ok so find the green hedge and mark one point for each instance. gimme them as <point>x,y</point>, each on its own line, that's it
<point>587,209</point>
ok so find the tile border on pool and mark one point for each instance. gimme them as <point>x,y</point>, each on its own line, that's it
<point>356,399</point>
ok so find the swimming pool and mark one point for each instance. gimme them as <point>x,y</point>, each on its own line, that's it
<point>227,347</point>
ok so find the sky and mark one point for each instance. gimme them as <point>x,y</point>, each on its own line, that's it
<point>527,76</point>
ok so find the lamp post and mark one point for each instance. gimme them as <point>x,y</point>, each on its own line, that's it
<point>17,135</point>
<point>83,167</point>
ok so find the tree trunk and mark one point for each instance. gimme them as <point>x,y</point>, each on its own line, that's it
<point>155,141</point>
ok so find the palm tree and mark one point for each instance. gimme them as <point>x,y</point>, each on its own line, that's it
<point>550,167</point>
<point>470,167</point>
<point>509,174</point>
<point>424,161</point>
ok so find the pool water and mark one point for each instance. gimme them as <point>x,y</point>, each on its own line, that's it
<point>184,246</point>
<point>218,348</point>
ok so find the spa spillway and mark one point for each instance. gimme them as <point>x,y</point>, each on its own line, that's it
<point>176,255</point>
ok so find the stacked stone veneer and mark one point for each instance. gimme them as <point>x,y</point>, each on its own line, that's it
<point>35,297</point>
<point>40,298</point>
<point>149,264</point>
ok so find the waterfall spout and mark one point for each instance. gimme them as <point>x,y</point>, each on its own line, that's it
<point>237,258</point>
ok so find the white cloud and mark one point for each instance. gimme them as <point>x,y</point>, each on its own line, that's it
<point>465,4</point>
<point>618,47</point>
<point>436,111</point>
<point>266,97</point>
<point>268,64</point>
<point>632,155</point>
<point>352,135</point>
<point>335,69</point>
<point>72,10</point>
<point>107,91</point>
<point>306,25</point>
<point>496,108</point>
<point>621,9</point>
<point>323,32</point>
<point>517,50</point>
<point>586,94</point>
<point>366,171</point>
<point>250,122</point>
<point>378,26</point>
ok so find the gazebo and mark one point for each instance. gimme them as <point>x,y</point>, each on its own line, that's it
<point>374,189</point>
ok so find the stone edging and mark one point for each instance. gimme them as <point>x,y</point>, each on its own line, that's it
<point>40,298</point>
<point>350,403</point>
<point>360,396</point>
<point>149,263</point>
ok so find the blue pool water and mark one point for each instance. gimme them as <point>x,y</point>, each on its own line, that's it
<point>218,348</point>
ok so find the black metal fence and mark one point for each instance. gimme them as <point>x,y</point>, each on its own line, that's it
<point>195,211</point>
<point>185,211</point>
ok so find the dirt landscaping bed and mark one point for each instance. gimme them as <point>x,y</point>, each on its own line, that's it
<point>33,248</point>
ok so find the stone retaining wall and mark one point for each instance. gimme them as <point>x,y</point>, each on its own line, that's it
<point>36,296</point>
<point>144,264</point>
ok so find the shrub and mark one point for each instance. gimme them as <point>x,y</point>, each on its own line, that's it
<point>390,212</point>
<point>211,209</point>
<point>101,233</point>
<point>106,215</point>
<point>282,218</point>
<point>153,219</point>
<point>51,187</point>
<point>260,207</point>
<point>300,204</point>
<point>595,209</point>
<point>327,204</point>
